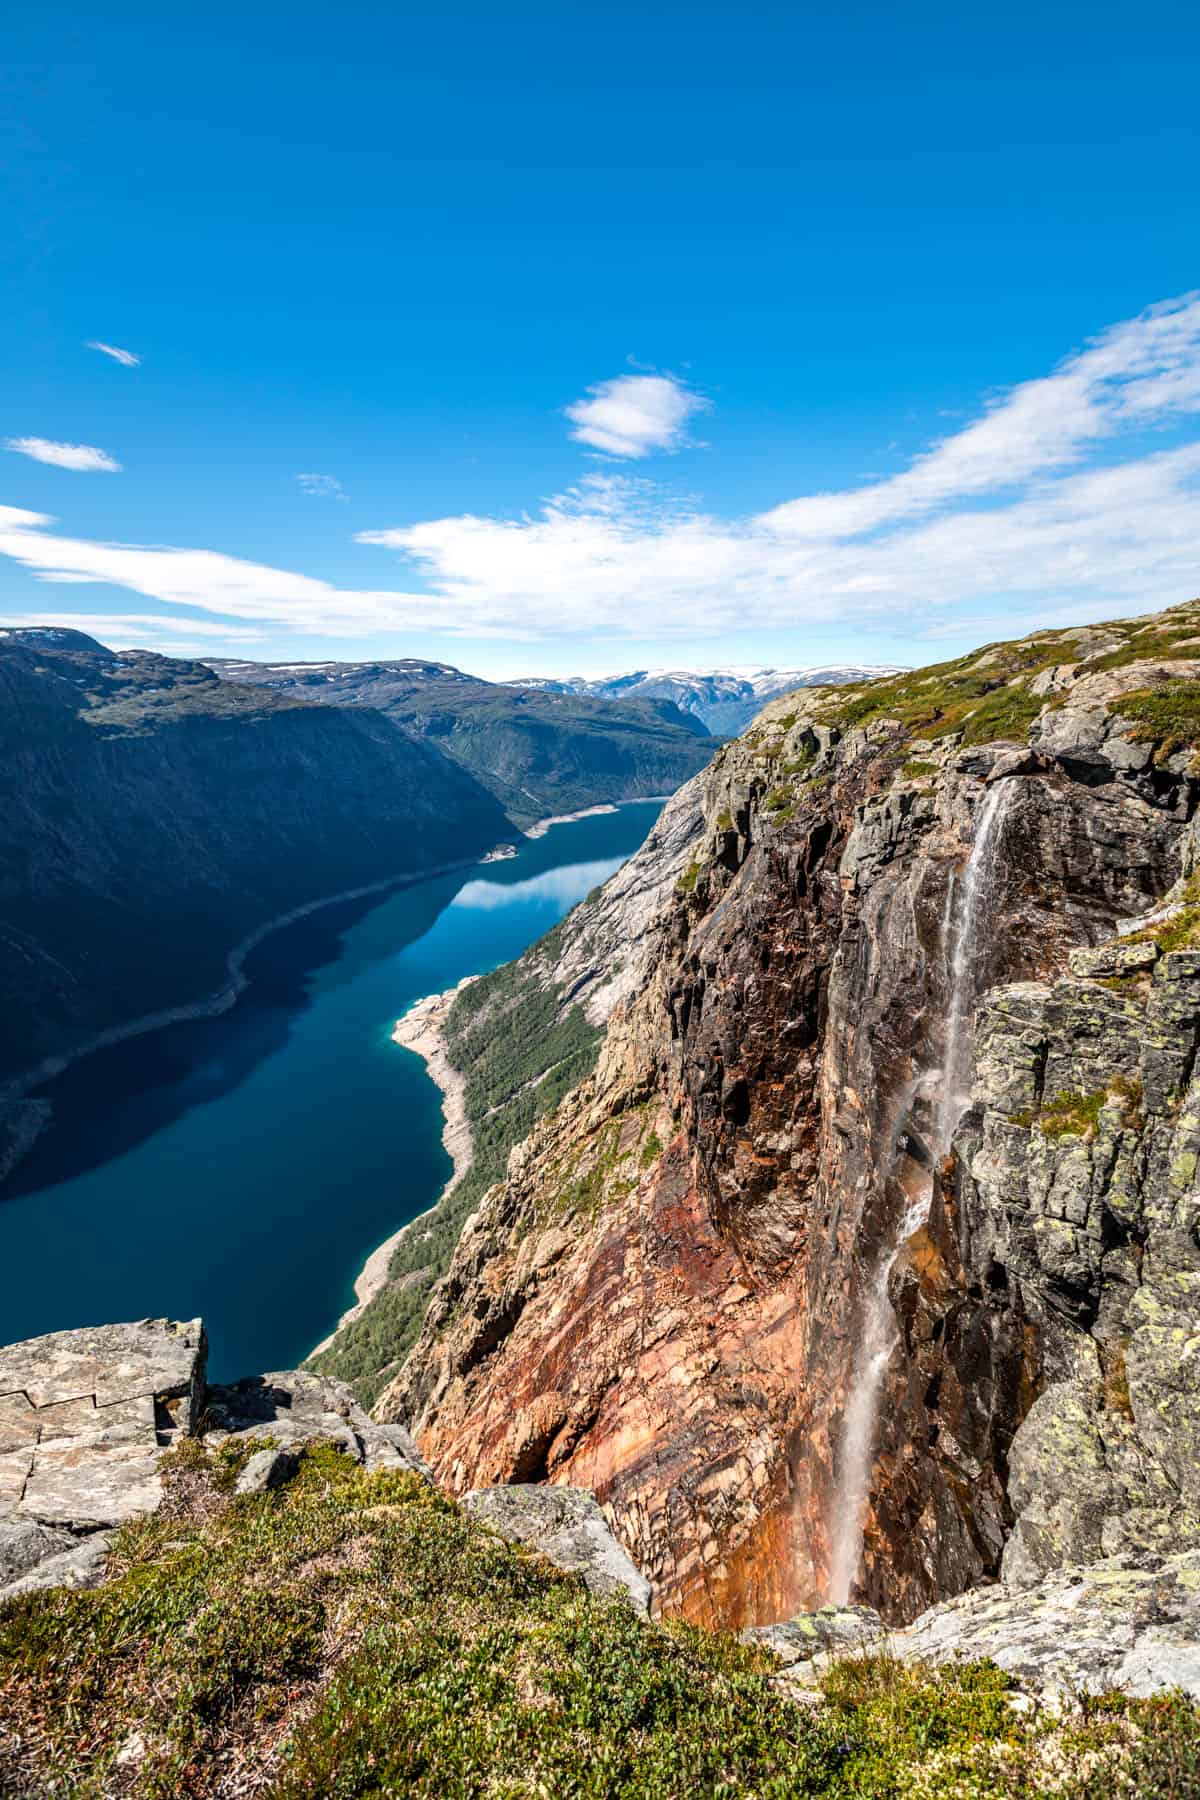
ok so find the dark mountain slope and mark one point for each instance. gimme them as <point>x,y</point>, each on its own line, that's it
<point>153,816</point>
<point>539,753</point>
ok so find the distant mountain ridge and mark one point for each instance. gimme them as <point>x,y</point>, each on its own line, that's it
<point>540,753</point>
<point>153,817</point>
<point>724,700</point>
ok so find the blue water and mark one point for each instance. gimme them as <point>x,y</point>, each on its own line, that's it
<point>244,1167</point>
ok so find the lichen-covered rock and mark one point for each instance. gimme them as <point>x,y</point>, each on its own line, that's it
<point>82,1564</point>
<point>567,1526</point>
<point>1130,1623</point>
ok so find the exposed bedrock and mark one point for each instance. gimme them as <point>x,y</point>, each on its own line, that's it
<point>665,1301</point>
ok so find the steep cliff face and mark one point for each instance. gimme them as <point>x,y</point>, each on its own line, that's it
<point>153,816</point>
<point>746,1283</point>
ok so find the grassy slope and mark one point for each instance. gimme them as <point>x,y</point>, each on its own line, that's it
<point>354,1636</point>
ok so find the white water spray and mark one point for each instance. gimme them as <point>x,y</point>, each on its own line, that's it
<point>880,1331</point>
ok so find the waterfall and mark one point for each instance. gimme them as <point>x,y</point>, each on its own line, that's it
<point>965,899</point>
<point>961,952</point>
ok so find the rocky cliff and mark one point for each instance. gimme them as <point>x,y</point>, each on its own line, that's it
<point>153,817</point>
<point>814,1311</point>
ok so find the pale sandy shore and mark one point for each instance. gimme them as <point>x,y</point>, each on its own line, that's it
<point>422,1030</point>
<point>588,812</point>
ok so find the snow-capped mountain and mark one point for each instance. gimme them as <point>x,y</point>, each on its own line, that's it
<point>724,700</point>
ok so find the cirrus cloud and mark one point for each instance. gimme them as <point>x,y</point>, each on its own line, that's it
<point>83,457</point>
<point>126,358</point>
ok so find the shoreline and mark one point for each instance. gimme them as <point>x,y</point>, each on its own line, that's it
<point>18,1130</point>
<point>421,1030</point>
<point>541,826</point>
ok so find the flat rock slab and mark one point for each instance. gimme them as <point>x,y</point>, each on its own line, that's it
<point>85,1415</point>
<point>566,1525</point>
<point>86,1483</point>
<point>52,1385</point>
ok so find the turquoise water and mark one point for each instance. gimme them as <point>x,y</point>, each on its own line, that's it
<point>244,1167</point>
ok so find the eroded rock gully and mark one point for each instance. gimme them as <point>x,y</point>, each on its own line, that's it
<point>664,1301</point>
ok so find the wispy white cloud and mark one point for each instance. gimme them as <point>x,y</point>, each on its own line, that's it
<point>325,487</point>
<point>125,357</point>
<point>146,631</point>
<point>63,456</point>
<point>207,580</point>
<point>1054,504</point>
<point>634,414</point>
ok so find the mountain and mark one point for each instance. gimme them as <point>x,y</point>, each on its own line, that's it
<point>861,1263</point>
<point>831,1278</point>
<point>154,816</point>
<point>724,700</point>
<point>540,754</point>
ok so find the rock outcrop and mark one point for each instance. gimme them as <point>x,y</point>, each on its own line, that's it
<point>86,1415</point>
<point>667,1299</point>
<point>1128,1624</point>
<point>566,1525</point>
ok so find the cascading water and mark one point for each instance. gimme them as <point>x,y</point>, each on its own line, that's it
<point>960,937</point>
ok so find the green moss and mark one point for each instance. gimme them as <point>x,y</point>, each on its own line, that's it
<point>357,1637</point>
<point>691,875</point>
<point>1180,931</point>
<point>1071,1115</point>
<point>916,770</point>
<point>650,1151</point>
<point>1167,716</point>
<point>780,804</point>
<point>724,821</point>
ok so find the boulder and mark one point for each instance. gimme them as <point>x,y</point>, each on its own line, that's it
<point>80,1566</point>
<point>567,1526</point>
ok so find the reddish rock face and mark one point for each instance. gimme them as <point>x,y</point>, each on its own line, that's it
<point>665,1300</point>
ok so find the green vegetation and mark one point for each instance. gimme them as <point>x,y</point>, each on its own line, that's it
<point>1071,1115</point>
<point>1181,931</point>
<point>691,875</point>
<point>1078,1114</point>
<point>916,770</point>
<point>1167,716</point>
<point>724,821</point>
<point>357,1637</point>
<point>984,696</point>
<point>580,1192</point>
<point>650,1151</point>
<point>521,1054</point>
<point>780,803</point>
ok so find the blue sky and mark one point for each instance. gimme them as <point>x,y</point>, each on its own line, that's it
<point>617,335</point>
